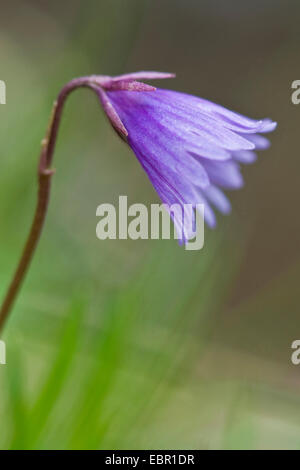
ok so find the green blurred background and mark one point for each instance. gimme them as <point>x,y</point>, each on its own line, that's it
<point>141,344</point>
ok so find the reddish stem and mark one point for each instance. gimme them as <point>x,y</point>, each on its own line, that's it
<point>44,183</point>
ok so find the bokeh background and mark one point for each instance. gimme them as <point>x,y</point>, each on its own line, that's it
<point>141,344</point>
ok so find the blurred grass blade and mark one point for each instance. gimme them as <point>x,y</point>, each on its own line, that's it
<point>17,399</point>
<point>59,372</point>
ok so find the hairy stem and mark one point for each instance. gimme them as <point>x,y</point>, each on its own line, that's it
<point>44,186</point>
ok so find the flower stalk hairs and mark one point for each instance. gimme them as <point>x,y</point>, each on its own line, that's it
<point>189,147</point>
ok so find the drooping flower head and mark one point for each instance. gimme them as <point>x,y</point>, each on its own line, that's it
<point>190,148</point>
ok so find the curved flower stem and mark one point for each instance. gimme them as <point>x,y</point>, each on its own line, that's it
<point>44,183</point>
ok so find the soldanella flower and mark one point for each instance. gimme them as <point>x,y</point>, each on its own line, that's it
<point>190,148</point>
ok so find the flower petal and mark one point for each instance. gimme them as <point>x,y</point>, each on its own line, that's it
<point>146,136</point>
<point>215,112</point>
<point>245,156</point>
<point>193,124</point>
<point>225,174</point>
<point>218,199</point>
<point>260,142</point>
